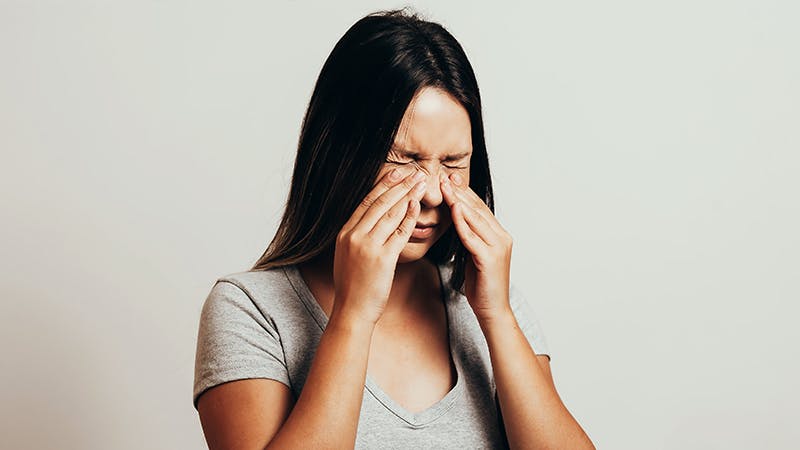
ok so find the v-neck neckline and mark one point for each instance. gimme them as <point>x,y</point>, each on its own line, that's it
<point>429,414</point>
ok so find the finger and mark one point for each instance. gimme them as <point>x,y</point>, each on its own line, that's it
<point>389,222</point>
<point>455,193</point>
<point>479,225</point>
<point>471,241</point>
<point>378,207</point>
<point>386,182</point>
<point>399,238</point>
<point>452,194</point>
<point>467,194</point>
<point>447,190</point>
<point>471,200</point>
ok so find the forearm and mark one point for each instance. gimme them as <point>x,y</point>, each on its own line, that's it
<point>327,410</point>
<point>533,414</point>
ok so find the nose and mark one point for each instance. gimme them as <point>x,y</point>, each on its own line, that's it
<point>433,193</point>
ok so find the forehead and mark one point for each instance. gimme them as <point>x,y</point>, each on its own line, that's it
<point>434,125</point>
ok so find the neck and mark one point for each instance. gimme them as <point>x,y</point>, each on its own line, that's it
<point>407,287</point>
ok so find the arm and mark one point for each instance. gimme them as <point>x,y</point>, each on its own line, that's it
<point>533,414</point>
<point>258,413</point>
<point>243,414</point>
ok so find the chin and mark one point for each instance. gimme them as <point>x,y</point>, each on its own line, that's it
<point>413,251</point>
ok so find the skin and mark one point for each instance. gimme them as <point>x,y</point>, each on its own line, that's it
<point>377,286</point>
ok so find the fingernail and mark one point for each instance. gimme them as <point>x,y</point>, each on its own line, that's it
<point>456,178</point>
<point>419,188</point>
<point>393,175</point>
<point>419,176</point>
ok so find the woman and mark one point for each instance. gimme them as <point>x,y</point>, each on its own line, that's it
<point>382,315</point>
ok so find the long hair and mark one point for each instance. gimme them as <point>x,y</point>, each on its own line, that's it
<point>361,95</point>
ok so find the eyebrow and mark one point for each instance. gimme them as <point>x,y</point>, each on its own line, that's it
<point>415,155</point>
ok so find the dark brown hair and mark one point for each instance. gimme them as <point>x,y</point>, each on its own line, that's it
<point>359,100</point>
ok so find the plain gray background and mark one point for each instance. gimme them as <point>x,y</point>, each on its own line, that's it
<point>645,157</point>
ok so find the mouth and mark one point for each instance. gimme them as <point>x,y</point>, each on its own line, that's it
<point>423,230</point>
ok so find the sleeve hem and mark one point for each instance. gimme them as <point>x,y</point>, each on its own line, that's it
<point>220,378</point>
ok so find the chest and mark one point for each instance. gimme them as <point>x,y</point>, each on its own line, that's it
<point>412,363</point>
<point>407,403</point>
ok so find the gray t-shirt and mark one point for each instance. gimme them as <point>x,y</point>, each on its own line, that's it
<point>267,324</point>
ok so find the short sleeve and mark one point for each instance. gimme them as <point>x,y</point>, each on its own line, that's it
<point>528,322</point>
<point>235,341</point>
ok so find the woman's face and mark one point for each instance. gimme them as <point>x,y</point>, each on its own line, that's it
<point>435,137</point>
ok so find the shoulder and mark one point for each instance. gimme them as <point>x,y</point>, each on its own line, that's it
<point>264,292</point>
<point>240,330</point>
<point>257,280</point>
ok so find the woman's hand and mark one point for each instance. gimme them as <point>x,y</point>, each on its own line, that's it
<point>487,273</point>
<point>369,245</point>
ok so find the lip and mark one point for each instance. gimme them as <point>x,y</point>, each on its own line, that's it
<point>425,225</point>
<point>423,231</point>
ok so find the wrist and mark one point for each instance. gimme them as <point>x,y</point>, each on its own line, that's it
<point>346,319</point>
<point>501,318</point>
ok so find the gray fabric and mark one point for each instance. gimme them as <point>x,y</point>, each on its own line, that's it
<point>267,324</point>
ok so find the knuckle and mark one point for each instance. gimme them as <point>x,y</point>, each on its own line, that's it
<point>402,230</point>
<point>367,201</point>
<point>349,242</point>
<point>379,202</point>
<point>355,238</point>
<point>387,182</point>
<point>392,213</point>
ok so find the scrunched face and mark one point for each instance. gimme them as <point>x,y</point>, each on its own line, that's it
<point>435,136</point>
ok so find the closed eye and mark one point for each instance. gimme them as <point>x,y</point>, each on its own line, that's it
<point>411,162</point>
<point>399,162</point>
